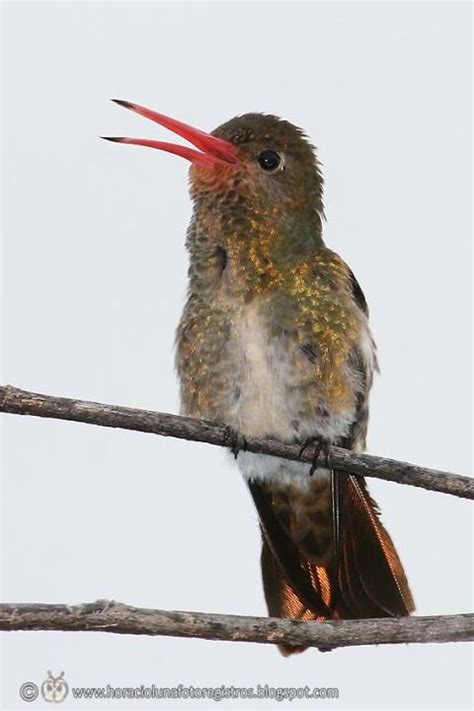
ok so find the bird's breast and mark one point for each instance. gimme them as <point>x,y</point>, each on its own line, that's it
<point>261,377</point>
<point>278,394</point>
<point>241,364</point>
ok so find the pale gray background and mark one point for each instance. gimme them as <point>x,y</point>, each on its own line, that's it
<point>94,281</point>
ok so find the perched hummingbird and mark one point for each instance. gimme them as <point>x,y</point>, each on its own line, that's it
<point>274,341</point>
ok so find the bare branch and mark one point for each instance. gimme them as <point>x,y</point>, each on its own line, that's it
<point>110,616</point>
<point>21,402</point>
<point>104,616</point>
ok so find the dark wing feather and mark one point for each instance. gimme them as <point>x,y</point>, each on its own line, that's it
<point>357,293</point>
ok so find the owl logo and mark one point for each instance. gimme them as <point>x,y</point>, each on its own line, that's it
<point>54,688</point>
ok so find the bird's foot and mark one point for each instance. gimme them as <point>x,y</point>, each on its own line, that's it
<point>234,440</point>
<point>321,448</point>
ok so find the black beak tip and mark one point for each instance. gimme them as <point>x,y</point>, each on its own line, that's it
<point>121,102</point>
<point>115,139</point>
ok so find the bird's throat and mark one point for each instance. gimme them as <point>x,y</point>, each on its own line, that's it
<point>251,247</point>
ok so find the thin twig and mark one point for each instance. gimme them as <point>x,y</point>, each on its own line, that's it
<point>21,402</point>
<point>110,616</point>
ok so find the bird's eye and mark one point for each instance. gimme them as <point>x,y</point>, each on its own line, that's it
<point>269,160</point>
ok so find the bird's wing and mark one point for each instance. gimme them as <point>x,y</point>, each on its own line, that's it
<point>357,293</point>
<point>365,578</point>
<point>370,578</point>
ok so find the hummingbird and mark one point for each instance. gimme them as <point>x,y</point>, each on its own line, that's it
<point>274,341</point>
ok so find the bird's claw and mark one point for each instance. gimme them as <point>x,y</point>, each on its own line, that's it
<point>322,447</point>
<point>234,440</point>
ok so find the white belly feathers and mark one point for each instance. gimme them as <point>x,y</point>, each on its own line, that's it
<point>266,405</point>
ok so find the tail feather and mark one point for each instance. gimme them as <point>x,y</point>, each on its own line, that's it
<point>371,556</point>
<point>297,571</point>
<point>365,578</point>
<point>282,599</point>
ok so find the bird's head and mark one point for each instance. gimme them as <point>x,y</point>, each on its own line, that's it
<point>257,193</point>
<point>255,157</point>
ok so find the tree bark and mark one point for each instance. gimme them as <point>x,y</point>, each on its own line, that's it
<point>111,616</point>
<point>20,402</point>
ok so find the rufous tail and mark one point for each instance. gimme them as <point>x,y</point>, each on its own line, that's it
<point>364,578</point>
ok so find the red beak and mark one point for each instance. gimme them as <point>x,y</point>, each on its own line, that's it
<point>212,150</point>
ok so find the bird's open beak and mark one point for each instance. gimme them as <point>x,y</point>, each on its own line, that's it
<point>212,150</point>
